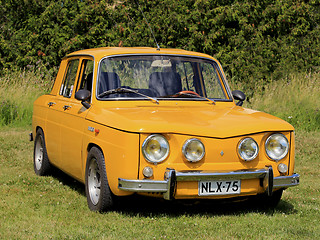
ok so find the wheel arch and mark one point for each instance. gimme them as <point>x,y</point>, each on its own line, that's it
<point>38,127</point>
<point>85,157</point>
<point>91,145</point>
<point>120,152</point>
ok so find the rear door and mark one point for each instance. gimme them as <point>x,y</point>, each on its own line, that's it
<point>55,112</point>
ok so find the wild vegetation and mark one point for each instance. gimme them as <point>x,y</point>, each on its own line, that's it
<point>269,49</point>
<point>294,99</point>
<point>18,91</point>
<point>258,40</point>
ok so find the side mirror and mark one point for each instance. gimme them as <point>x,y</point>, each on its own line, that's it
<point>238,95</point>
<point>83,95</point>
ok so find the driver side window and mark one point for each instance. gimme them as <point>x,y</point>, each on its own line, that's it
<point>86,75</point>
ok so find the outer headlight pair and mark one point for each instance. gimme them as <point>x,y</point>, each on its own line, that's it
<point>276,146</point>
<point>156,149</point>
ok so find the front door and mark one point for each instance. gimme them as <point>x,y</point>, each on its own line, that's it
<point>73,119</point>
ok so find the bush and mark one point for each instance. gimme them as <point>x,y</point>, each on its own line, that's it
<point>259,40</point>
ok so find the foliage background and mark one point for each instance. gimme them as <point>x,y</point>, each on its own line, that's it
<point>254,40</point>
<point>261,44</point>
<point>270,49</point>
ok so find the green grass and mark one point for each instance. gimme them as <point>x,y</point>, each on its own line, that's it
<point>55,207</point>
<point>18,91</point>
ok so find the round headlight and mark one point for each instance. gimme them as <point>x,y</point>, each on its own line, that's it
<point>155,148</point>
<point>248,149</point>
<point>193,150</point>
<point>277,146</point>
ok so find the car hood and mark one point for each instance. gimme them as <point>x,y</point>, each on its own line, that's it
<point>209,121</point>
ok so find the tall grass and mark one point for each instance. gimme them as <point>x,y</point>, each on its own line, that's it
<point>18,90</point>
<point>295,99</point>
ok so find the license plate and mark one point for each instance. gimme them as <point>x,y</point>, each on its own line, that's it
<point>207,188</point>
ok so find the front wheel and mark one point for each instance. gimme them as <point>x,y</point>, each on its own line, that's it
<point>99,196</point>
<point>271,201</point>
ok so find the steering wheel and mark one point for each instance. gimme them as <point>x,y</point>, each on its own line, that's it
<point>188,92</point>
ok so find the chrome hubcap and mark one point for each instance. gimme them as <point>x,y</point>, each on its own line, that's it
<point>38,154</point>
<point>94,181</point>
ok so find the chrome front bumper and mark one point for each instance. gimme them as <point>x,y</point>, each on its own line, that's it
<point>168,185</point>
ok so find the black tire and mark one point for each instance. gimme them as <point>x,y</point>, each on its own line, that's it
<point>271,201</point>
<point>41,162</point>
<point>99,195</point>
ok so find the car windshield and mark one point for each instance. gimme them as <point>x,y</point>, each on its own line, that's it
<point>160,77</point>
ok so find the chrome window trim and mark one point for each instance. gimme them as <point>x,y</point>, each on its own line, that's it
<point>94,65</point>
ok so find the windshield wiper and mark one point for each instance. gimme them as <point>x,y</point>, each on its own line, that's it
<point>126,90</point>
<point>192,94</point>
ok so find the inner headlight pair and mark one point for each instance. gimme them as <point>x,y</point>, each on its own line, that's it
<point>156,149</point>
<point>276,146</point>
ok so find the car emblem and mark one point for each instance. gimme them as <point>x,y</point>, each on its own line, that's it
<point>91,129</point>
<point>221,153</point>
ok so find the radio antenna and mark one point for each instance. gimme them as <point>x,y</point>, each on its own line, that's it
<point>154,38</point>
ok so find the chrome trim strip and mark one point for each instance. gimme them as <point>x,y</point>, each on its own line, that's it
<point>171,183</point>
<point>143,185</point>
<point>167,187</point>
<point>237,175</point>
<point>268,181</point>
<point>286,181</point>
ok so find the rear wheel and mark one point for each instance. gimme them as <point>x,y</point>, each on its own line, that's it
<point>41,162</point>
<point>99,196</point>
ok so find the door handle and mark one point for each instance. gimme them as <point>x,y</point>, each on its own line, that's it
<point>50,104</point>
<point>65,107</point>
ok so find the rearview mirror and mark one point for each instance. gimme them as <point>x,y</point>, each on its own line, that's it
<point>83,95</point>
<point>161,63</point>
<point>238,95</point>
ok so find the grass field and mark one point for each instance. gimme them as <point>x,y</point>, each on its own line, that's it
<point>55,207</point>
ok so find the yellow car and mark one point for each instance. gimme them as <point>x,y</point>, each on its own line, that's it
<point>161,123</point>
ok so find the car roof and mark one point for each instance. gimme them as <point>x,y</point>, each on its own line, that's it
<point>99,53</point>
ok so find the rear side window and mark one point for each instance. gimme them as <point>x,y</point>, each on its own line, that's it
<point>70,78</point>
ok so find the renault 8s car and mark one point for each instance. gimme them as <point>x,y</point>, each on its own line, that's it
<point>161,123</point>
